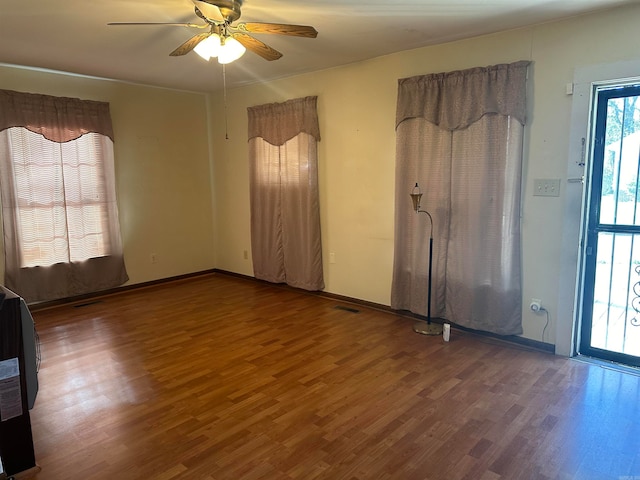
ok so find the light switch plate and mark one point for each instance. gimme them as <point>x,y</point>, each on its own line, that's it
<point>546,187</point>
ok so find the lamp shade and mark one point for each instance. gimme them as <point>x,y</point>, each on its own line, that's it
<point>416,196</point>
<point>209,47</point>
<point>230,50</point>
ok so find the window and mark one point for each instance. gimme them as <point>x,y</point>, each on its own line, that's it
<point>285,207</point>
<point>460,136</point>
<point>59,213</point>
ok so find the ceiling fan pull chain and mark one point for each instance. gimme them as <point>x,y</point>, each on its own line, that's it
<point>224,90</point>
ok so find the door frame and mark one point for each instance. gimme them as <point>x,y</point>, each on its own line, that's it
<point>591,228</point>
<point>568,307</point>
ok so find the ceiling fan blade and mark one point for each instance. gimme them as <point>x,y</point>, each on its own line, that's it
<point>278,28</point>
<point>194,25</point>
<point>189,45</point>
<point>258,47</point>
<point>212,12</point>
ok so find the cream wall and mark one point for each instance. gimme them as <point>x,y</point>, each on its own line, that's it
<point>162,169</point>
<point>357,153</point>
<point>167,190</point>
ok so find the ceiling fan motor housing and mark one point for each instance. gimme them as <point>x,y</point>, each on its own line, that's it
<point>231,10</point>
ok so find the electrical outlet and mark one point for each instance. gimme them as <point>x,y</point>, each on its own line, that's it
<point>332,257</point>
<point>245,255</point>
<point>536,305</point>
<point>154,258</point>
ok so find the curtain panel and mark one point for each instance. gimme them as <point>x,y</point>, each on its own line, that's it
<point>285,208</point>
<point>460,136</point>
<point>54,198</point>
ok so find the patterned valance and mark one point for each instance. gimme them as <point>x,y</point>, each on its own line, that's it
<point>278,122</point>
<point>455,100</point>
<point>59,119</point>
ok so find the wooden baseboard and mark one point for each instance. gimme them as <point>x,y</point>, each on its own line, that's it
<point>114,291</point>
<point>26,474</point>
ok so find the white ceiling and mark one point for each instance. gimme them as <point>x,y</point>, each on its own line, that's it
<point>73,36</point>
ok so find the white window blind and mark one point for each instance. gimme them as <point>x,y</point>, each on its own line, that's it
<point>59,191</point>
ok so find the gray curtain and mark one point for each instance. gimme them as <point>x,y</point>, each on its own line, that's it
<point>459,135</point>
<point>53,205</point>
<point>285,208</point>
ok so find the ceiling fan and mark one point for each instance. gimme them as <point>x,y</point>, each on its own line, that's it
<point>226,40</point>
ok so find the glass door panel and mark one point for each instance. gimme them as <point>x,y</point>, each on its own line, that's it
<point>616,303</point>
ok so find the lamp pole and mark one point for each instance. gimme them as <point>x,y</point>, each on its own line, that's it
<point>420,327</point>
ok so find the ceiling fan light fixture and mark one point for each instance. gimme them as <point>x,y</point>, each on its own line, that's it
<point>224,40</point>
<point>209,47</point>
<point>230,50</point>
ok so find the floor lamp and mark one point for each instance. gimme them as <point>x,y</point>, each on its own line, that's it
<point>427,328</point>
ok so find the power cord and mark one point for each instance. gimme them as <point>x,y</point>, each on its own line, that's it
<point>536,307</point>
<point>547,322</point>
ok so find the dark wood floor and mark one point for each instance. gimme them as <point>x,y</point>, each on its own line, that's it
<point>220,377</point>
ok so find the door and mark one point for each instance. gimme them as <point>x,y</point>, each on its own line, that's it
<point>611,288</point>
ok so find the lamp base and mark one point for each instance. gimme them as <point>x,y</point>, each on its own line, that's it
<point>425,328</point>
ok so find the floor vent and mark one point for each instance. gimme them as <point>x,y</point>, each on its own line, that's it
<point>87,304</point>
<point>347,309</point>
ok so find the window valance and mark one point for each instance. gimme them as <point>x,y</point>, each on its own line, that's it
<point>455,100</point>
<point>59,119</point>
<point>278,122</point>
